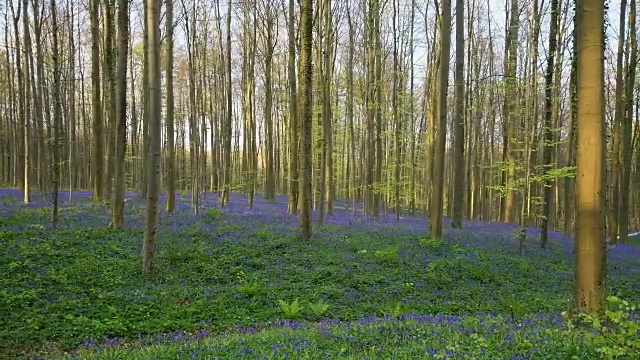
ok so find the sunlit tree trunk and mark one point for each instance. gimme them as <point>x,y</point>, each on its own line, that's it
<point>590,252</point>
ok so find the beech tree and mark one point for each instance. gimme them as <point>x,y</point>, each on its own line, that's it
<point>155,111</point>
<point>590,251</point>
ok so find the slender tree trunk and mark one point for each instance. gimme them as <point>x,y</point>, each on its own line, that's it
<point>569,199</point>
<point>27,108</point>
<point>626,148</point>
<point>155,111</point>
<point>294,127</point>
<point>435,228</point>
<point>171,154</point>
<point>548,124</point>
<point>96,103</point>
<point>510,120</point>
<point>228,123</point>
<point>73,171</point>
<point>618,119</point>
<point>396,118</point>
<point>458,180</point>
<point>117,216</point>
<point>57,112</point>
<point>306,118</point>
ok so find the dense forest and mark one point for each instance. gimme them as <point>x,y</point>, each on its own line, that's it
<point>519,112</point>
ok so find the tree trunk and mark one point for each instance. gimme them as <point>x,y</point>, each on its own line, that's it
<point>294,127</point>
<point>306,118</point>
<point>57,113</point>
<point>618,119</point>
<point>547,146</point>
<point>96,103</point>
<point>626,148</point>
<point>117,216</point>
<point>171,153</point>
<point>458,180</point>
<point>590,254</point>
<point>155,111</point>
<point>435,221</point>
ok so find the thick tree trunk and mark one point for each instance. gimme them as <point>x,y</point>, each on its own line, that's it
<point>590,251</point>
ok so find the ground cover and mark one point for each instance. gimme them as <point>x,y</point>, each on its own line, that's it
<point>79,286</point>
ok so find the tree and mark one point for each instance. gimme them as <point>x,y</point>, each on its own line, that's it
<point>306,118</point>
<point>57,112</point>
<point>548,131</point>
<point>510,121</point>
<point>435,221</point>
<point>171,154</point>
<point>155,111</point>
<point>590,255</point>
<point>117,216</point>
<point>228,123</point>
<point>458,126</point>
<point>96,102</point>
<point>627,126</point>
<point>293,114</point>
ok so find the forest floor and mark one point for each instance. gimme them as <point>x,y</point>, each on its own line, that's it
<point>235,283</point>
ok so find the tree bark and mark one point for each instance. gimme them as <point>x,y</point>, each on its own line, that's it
<point>458,126</point>
<point>117,216</point>
<point>437,194</point>
<point>590,251</point>
<point>155,111</point>
<point>306,118</point>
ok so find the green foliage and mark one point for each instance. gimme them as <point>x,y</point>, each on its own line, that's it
<point>618,335</point>
<point>389,254</point>
<point>318,308</point>
<point>249,285</point>
<point>213,215</point>
<point>63,286</point>
<point>291,310</point>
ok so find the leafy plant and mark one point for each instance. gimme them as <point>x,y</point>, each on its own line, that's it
<point>213,215</point>
<point>389,254</point>
<point>319,308</point>
<point>619,335</point>
<point>291,310</point>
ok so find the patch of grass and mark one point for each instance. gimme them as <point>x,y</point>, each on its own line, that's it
<point>62,287</point>
<point>409,337</point>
